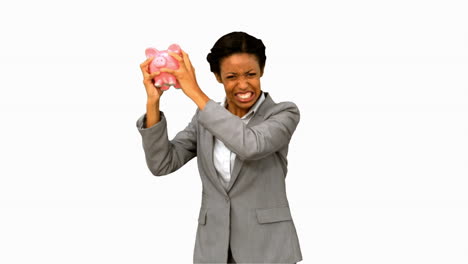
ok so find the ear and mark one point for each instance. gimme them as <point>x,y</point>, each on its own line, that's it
<point>218,78</point>
<point>175,48</point>
<point>151,52</point>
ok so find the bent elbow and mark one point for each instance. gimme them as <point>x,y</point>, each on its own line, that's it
<point>159,173</point>
<point>158,169</point>
<point>156,173</point>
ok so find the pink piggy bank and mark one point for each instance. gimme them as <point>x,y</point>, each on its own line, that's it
<point>162,59</point>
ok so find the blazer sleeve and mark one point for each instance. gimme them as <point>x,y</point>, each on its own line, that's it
<point>164,156</point>
<point>254,142</point>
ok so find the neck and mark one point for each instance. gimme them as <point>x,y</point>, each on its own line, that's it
<point>236,111</point>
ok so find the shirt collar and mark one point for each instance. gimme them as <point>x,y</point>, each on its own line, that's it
<point>254,107</point>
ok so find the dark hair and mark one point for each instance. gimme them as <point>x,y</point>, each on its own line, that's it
<point>235,42</point>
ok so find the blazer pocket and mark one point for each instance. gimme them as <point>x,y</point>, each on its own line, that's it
<point>271,215</point>
<point>202,216</point>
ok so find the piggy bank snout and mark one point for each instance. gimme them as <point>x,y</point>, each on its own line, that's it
<point>159,61</point>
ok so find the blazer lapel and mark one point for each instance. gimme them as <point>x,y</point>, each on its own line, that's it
<point>212,174</point>
<point>258,117</point>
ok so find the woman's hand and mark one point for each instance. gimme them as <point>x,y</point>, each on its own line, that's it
<point>185,74</point>
<point>187,79</point>
<point>153,92</point>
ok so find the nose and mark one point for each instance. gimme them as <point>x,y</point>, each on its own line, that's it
<point>160,62</point>
<point>243,83</point>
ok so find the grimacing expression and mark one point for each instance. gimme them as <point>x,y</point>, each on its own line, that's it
<point>240,74</point>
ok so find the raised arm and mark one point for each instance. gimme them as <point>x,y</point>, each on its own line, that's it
<point>164,156</point>
<point>254,142</point>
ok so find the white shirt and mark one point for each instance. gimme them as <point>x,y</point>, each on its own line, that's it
<point>223,157</point>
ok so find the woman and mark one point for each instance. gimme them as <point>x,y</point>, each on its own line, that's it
<point>241,148</point>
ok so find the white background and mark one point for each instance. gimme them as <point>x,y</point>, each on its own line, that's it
<point>378,166</point>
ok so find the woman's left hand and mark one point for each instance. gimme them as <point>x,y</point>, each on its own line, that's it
<point>187,79</point>
<point>185,74</point>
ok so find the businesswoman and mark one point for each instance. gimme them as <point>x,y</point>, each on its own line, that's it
<point>241,145</point>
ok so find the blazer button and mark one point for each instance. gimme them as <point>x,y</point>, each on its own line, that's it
<point>227,199</point>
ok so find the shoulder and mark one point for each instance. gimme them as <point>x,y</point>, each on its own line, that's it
<point>271,108</point>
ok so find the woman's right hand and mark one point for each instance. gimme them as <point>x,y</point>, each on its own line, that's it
<point>153,92</point>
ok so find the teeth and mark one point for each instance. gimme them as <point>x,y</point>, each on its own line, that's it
<point>245,96</point>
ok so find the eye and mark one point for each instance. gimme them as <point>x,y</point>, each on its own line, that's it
<point>230,77</point>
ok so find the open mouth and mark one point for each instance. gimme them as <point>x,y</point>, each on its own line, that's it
<point>245,97</point>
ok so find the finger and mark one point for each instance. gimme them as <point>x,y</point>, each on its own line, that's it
<point>149,78</point>
<point>171,71</point>
<point>144,66</point>
<point>187,60</point>
<point>154,74</point>
<point>176,56</point>
<point>146,62</point>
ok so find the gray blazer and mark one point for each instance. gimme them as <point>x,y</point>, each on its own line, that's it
<point>252,215</point>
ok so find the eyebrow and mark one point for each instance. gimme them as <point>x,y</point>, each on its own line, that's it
<point>236,72</point>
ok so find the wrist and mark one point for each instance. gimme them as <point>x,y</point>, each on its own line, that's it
<point>198,97</point>
<point>152,102</point>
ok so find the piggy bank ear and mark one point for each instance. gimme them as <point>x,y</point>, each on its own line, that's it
<point>174,48</point>
<point>151,52</point>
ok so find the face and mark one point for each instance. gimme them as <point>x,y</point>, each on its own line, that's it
<point>240,74</point>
